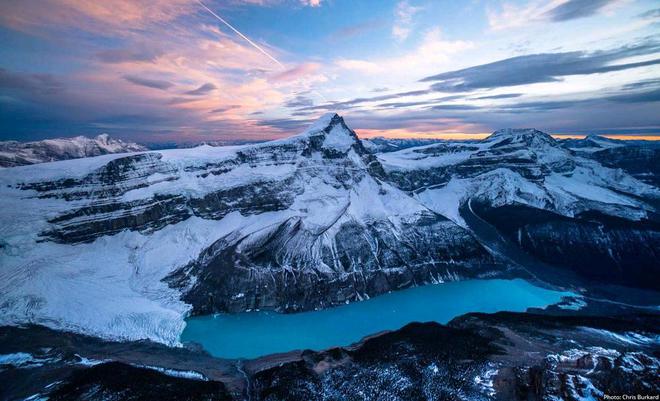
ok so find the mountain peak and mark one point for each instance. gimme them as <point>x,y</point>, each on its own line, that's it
<point>325,123</point>
<point>336,134</point>
<point>528,136</point>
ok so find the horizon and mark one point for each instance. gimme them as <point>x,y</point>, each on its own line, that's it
<point>187,71</point>
<point>366,134</point>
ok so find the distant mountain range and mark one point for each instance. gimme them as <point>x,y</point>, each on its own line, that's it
<point>13,153</point>
<point>382,145</point>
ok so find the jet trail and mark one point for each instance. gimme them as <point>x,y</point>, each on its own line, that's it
<point>256,46</point>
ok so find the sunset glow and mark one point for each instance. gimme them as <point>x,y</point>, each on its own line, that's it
<point>233,70</point>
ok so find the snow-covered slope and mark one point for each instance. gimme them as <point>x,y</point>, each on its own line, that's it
<point>123,246</point>
<point>14,153</point>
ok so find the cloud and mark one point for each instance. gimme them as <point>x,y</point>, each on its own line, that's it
<point>638,97</point>
<point>149,83</point>
<point>654,83</point>
<point>354,30</point>
<point>202,90</point>
<point>536,68</point>
<point>311,3</point>
<point>536,11</point>
<point>285,124</point>
<point>501,96</point>
<point>299,101</point>
<point>426,102</point>
<point>574,9</point>
<point>454,107</point>
<point>433,51</point>
<point>94,16</point>
<point>226,108</point>
<point>359,65</point>
<point>142,54</point>
<point>41,84</point>
<point>347,104</point>
<point>650,14</point>
<point>403,20</point>
<point>297,72</point>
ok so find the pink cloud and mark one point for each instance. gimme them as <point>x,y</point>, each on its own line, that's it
<point>93,16</point>
<point>297,72</point>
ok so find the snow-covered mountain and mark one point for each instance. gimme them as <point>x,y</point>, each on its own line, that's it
<point>641,159</point>
<point>125,246</point>
<point>294,224</point>
<point>522,166</point>
<point>13,153</point>
<point>381,145</point>
<point>561,208</point>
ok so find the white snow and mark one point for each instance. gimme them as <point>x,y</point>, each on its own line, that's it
<point>16,359</point>
<point>185,374</point>
<point>113,286</point>
<point>338,139</point>
<point>484,381</point>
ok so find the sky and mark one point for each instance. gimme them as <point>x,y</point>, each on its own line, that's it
<point>184,71</point>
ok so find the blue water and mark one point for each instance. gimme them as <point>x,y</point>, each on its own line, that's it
<point>254,334</point>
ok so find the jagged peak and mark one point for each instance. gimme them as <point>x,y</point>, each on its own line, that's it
<point>336,134</point>
<point>326,123</point>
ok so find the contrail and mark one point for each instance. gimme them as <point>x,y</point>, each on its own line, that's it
<point>256,46</point>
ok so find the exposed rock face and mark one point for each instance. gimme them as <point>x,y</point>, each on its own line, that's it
<point>601,248</point>
<point>14,153</point>
<point>115,380</point>
<point>292,268</point>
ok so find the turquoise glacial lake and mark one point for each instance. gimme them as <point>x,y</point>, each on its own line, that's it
<point>254,334</point>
